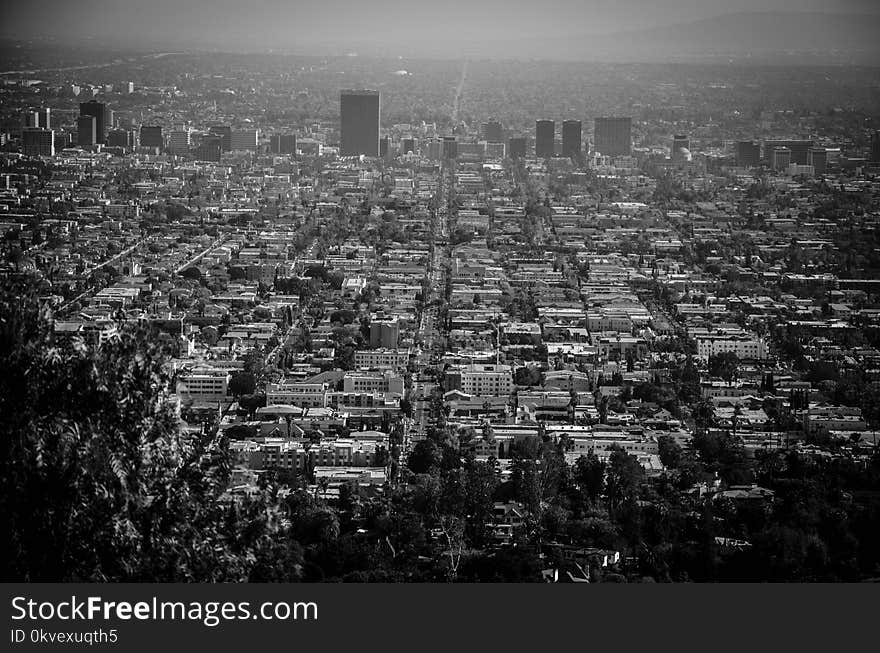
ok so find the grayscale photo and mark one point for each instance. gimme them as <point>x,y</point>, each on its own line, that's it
<point>484,291</point>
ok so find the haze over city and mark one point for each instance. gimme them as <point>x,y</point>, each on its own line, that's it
<point>568,29</point>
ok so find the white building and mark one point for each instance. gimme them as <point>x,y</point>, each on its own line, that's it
<point>395,359</point>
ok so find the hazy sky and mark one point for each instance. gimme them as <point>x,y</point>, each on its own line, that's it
<point>287,23</point>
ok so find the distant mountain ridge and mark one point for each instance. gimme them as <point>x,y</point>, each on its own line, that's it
<point>761,36</point>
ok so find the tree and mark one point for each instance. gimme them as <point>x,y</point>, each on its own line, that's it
<point>193,273</point>
<point>406,407</point>
<point>589,474</point>
<point>425,457</point>
<point>724,365</point>
<point>624,479</point>
<point>242,383</point>
<point>670,451</point>
<point>99,482</point>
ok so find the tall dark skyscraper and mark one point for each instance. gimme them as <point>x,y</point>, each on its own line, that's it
<point>748,154</point>
<point>359,116</point>
<point>151,136</point>
<point>225,134</point>
<point>283,144</point>
<point>680,142</point>
<point>572,132</point>
<point>37,141</point>
<point>492,131</point>
<point>799,149</point>
<point>875,147</point>
<point>102,115</point>
<point>613,136</point>
<point>210,148</point>
<point>818,158</point>
<point>450,147</point>
<point>545,134</point>
<point>516,147</point>
<point>86,131</point>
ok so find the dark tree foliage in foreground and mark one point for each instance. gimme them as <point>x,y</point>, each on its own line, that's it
<point>98,482</point>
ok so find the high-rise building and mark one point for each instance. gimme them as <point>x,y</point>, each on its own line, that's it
<point>38,118</point>
<point>408,145</point>
<point>818,158</point>
<point>612,136</point>
<point>31,120</point>
<point>748,154</point>
<point>781,158</point>
<point>151,136</point>
<point>875,147</point>
<point>516,147</point>
<point>179,141</point>
<point>384,332</point>
<point>86,131</point>
<point>494,151</point>
<point>680,142</point>
<point>210,148</point>
<point>797,147</point>
<point>493,131</point>
<point>572,134</point>
<point>102,115</point>
<point>283,144</point>
<point>545,133</point>
<point>36,141</point>
<point>244,140</point>
<point>120,138</point>
<point>359,118</point>
<point>225,134</point>
<point>384,146</point>
<point>450,147</point>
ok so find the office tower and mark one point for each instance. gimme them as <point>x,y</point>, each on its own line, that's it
<point>408,145</point>
<point>494,151</point>
<point>450,147</point>
<point>492,131</point>
<point>781,158</point>
<point>384,146</point>
<point>680,142</point>
<point>748,154</point>
<point>36,141</point>
<point>225,134</point>
<point>359,117</point>
<point>818,158</point>
<point>121,138</point>
<point>572,133</point>
<point>179,141</point>
<point>875,147</point>
<point>283,144</point>
<point>86,131</point>
<point>244,140</point>
<point>102,115</point>
<point>384,332</point>
<point>798,148</point>
<point>435,149</point>
<point>545,133</point>
<point>516,147</point>
<point>31,119</point>
<point>129,87</point>
<point>63,141</point>
<point>613,136</point>
<point>210,149</point>
<point>45,117</point>
<point>151,136</point>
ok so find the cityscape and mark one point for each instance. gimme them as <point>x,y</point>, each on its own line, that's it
<point>275,316</point>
